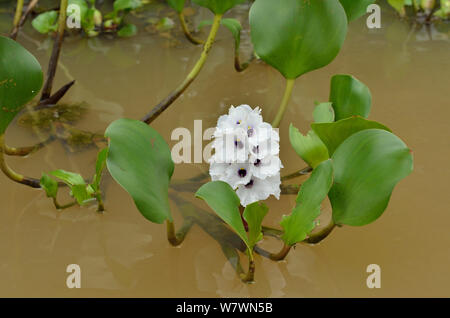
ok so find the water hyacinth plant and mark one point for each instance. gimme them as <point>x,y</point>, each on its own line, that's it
<point>353,162</point>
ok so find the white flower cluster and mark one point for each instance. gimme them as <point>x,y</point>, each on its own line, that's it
<point>247,155</point>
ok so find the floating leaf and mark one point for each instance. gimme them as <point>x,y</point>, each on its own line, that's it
<point>367,166</point>
<point>177,5</point>
<point>355,9</point>
<point>310,148</point>
<point>120,5</point>
<point>233,25</point>
<point>46,22</point>
<point>254,214</point>
<point>300,222</point>
<point>127,30</point>
<point>323,113</point>
<point>350,97</point>
<point>218,6</point>
<point>140,161</point>
<point>49,185</point>
<point>298,36</point>
<point>333,134</point>
<point>20,80</point>
<point>224,201</point>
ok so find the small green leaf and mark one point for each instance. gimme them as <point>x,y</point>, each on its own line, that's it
<point>140,161</point>
<point>127,30</point>
<point>99,167</point>
<point>218,6</point>
<point>69,178</point>
<point>355,9</point>
<point>224,201</point>
<point>310,148</point>
<point>300,222</point>
<point>367,167</point>
<point>46,22</point>
<point>297,36</point>
<point>49,185</point>
<point>333,134</point>
<point>350,97</point>
<point>20,80</point>
<point>254,214</point>
<point>323,113</point>
<point>177,5</point>
<point>233,25</point>
<point>121,5</point>
<point>80,193</point>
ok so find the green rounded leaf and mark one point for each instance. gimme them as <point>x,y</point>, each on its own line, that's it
<point>297,36</point>
<point>350,97</point>
<point>224,201</point>
<point>140,161</point>
<point>333,134</point>
<point>20,80</point>
<point>367,166</point>
<point>300,222</point>
<point>46,22</point>
<point>355,8</point>
<point>127,30</point>
<point>177,5</point>
<point>218,6</point>
<point>310,148</point>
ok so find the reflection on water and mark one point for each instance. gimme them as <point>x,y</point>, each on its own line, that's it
<point>121,254</point>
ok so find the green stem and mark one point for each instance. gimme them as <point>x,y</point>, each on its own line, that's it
<point>11,174</point>
<point>63,207</point>
<point>18,13</point>
<point>47,90</point>
<point>284,103</point>
<point>238,66</point>
<point>321,235</point>
<point>175,239</point>
<point>164,104</point>
<point>281,255</point>
<point>25,151</point>
<point>100,205</point>
<point>186,31</point>
<point>249,277</point>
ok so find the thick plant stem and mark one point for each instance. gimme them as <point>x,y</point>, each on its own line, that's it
<point>63,207</point>
<point>164,104</point>
<point>11,174</point>
<point>25,151</point>
<point>16,28</point>
<point>281,255</point>
<point>238,66</point>
<point>249,277</point>
<point>176,238</point>
<point>18,14</point>
<point>284,103</point>
<point>186,31</point>
<point>321,235</point>
<point>47,90</point>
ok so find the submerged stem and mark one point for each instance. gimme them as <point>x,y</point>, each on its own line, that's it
<point>165,103</point>
<point>63,207</point>
<point>47,90</point>
<point>281,255</point>
<point>186,31</point>
<point>25,151</point>
<point>176,238</point>
<point>284,103</point>
<point>11,174</point>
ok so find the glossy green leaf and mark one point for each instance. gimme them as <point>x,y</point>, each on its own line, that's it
<point>99,167</point>
<point>49,185</point>
<point>218,6</point>
<point>367,167</point>
<point>233,25</point>
<point>121,5</point>
<point>46,22</point>
<point>140,161</point>
<point>224,201</point>
<point>333,134</point>
<point>350,97</point>
<point>254,214</point>
<point>355,8</point>
<point>127,30</point>
<point>297,36</point>
<point>177,5</point>
<point>313,191</point>
<point>70,178</point>
<point>323,113</point>
<point>20,80</point>
<point>310,148</point>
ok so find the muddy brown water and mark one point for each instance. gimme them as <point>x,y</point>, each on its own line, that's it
<point>122,254</point>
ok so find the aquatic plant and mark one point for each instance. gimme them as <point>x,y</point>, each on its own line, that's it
<point>352,161</point>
